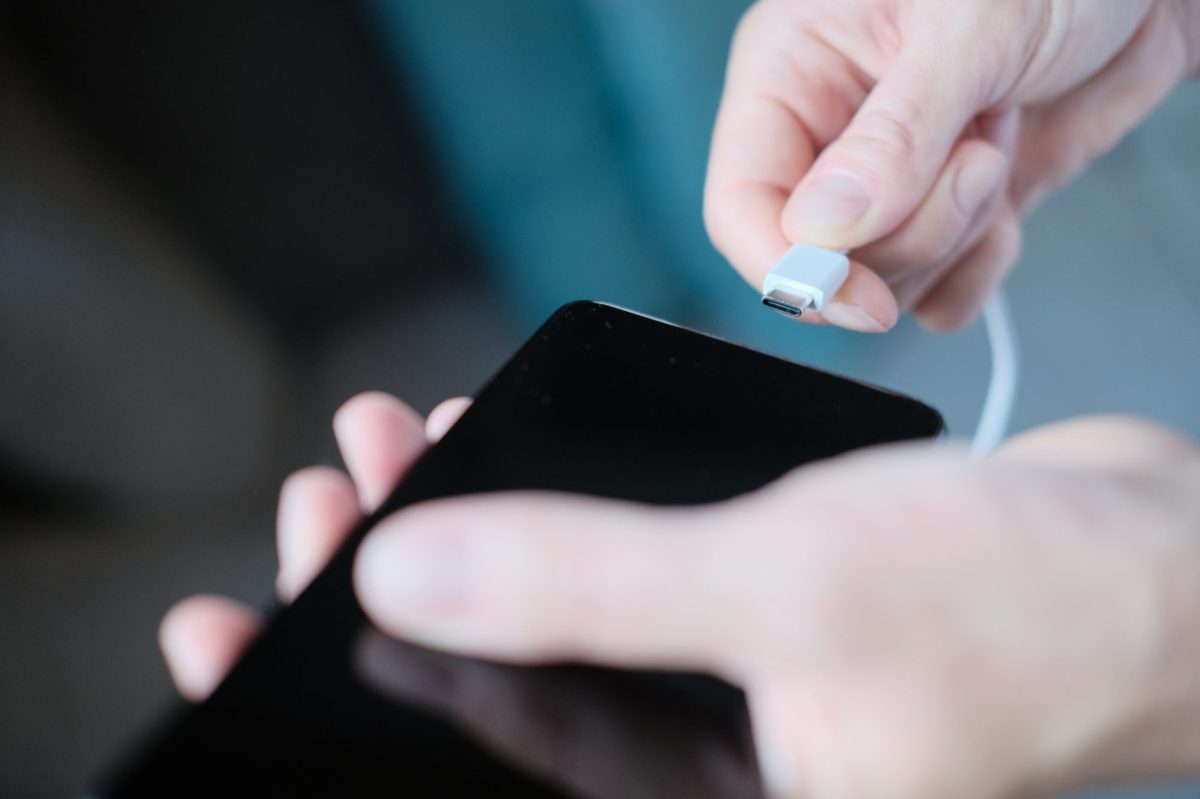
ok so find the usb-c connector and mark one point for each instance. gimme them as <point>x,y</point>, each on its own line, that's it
<point>805,280</point>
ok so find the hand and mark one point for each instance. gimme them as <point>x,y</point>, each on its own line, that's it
<point>1020,624</point>
<point>379,438</point>
<point>905,623</point>
<point>916,132</point>
<point>559,724</point>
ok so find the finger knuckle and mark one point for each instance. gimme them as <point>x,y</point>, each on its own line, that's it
<point>887,135</point>
<point>552,582</point>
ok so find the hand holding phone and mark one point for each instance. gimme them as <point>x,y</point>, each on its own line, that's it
<point>529,717</point>
<point>600,403</point>
<point>905,622</point>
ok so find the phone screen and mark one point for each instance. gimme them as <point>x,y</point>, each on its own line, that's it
<point>600,401</point>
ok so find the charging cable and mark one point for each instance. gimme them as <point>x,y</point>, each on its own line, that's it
<point>1001,395</point>
<point>808,277</point>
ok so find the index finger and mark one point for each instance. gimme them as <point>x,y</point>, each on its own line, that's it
<point>775,116</point>
<point>760,151</point>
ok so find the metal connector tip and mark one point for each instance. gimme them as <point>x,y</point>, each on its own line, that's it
<point>790,305</point>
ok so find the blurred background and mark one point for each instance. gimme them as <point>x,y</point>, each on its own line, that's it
<point>220,219</point>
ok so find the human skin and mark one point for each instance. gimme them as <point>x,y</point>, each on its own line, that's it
<point>1016,626</point>
<point>935,627</point>
<point>916,133</point>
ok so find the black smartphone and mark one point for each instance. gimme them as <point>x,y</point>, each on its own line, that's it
<point>600,401</point>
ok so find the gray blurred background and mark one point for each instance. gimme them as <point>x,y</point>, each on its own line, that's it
<point>218,220</point>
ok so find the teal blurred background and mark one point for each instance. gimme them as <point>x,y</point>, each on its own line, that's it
<point>218,220</point>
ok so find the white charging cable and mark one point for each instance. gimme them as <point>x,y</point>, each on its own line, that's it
<point>1001,395</point>
<point>808,277</point>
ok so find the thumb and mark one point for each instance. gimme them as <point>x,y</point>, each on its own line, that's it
<point>868,181</point>
<point>541,577</point>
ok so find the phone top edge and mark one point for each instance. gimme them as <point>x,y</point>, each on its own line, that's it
<point>942,431</point>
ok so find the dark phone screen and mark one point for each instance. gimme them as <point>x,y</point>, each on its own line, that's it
<point>600,401</point>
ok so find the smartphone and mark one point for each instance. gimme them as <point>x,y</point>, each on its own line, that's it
<point>600,401</point>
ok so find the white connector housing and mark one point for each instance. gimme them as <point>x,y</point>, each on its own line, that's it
<point>805,280</point>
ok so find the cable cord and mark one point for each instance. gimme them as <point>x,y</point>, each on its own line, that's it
<point>996,416</point>
<point>806,277</point>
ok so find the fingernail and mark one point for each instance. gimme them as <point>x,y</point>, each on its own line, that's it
<point>976,182</point>
<point>834,202</point>
<point>851,317</point>
<point>403,571</point>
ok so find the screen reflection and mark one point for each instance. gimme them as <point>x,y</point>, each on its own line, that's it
<point>591,734</point>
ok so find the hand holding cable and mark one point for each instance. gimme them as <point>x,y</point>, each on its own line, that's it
<point>914,133</point>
